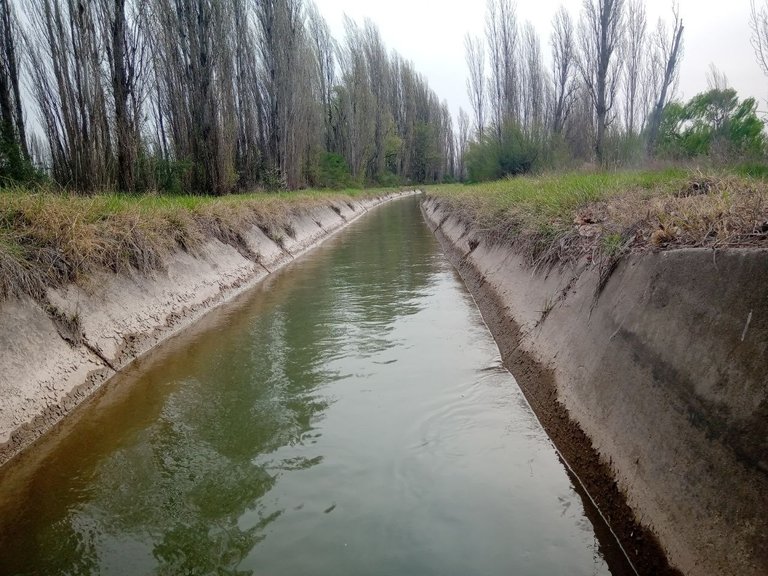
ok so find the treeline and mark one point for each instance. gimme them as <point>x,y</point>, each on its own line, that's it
<point>212,96</point>
<point>601,99</point>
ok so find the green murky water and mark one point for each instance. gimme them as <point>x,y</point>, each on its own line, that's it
<point>350,416</point>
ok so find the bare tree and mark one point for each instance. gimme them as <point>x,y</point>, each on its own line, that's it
<point>475,54</point>
<point>600,30</point>
<point>247,100</point>
<point>65,52</point>
<point>446,145</point>
<point>12,129</point>
<point>634,57</point>
<point>510,40</point>
<point>535,91</point>
<point>668,50</point>
<point>579,129</point>
<point>716,78</point>
<point>289,80</point>
<point>232,94</point>
<point>759,24</point>
<point>325,55</point>
<point>462,144</point>
<point>356,102</point>
<point>563,66</point>
<point>502,40</point>
<point>379,81</point>
<point>193,55</point>
<point>125,45</point>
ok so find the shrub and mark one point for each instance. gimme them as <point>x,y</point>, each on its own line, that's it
<point>333,172</point>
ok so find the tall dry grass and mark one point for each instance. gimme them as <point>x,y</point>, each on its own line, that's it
<point>47,239</point>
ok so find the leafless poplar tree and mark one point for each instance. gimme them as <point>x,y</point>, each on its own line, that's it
<point>65,52</point>
<point>446,145</point>
<point>535,90</point>
<point>502,39</point>
<point>125,46</point>
<point>600,30</point>
<point>475,56</point>
<point>12,129</point>
<point>231,95</point>
<point>634,56</point>
<point>380,83</point>
<point>194,72</point>
<point>668,51</point>
<point>249,124</point>
<point>356,102</point>
<point>462,144</point>
<point>325,48</point>
<point>289,80</point>
<point>759,24</point>
<point>564,67</point>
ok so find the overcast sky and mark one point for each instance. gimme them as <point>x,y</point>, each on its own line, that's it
<point>431,33</point>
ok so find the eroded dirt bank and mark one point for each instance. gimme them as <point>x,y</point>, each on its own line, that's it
<point>58,350</point>
<point>654,390</point>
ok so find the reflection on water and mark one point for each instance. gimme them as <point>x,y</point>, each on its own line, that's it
<point>349,416</point>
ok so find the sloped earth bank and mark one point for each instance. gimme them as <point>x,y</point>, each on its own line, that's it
<point>58,352</point>
<point>653,388</point>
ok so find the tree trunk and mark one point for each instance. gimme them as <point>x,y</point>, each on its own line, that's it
<point>120,88</point>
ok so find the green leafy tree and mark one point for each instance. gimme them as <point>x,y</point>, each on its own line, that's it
<point>713,123</point>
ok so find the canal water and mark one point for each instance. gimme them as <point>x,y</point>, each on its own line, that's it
<point>349,416</point>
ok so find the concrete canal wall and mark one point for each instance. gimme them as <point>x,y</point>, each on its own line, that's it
<point>665,371</point>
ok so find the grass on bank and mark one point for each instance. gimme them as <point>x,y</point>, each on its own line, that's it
<point>564,217</point>
<point>47,239</point>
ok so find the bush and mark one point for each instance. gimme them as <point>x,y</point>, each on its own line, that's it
<point>333,172</point>
<point>14,167</point>
<point>388,180</point>
<point>165,176</point>
<point>491,159</point>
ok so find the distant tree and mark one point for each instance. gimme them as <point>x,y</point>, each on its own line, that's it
<point>355,103</point>
<point>65,48</point>
<point>668,51</point>
<point>535,91</point>
<point>600,34</point>
<point>196,88</point>
<point>759,24</point>
<point>564,67</point>
<point>377,64</point>
<point>462,143</point>
<point>125,45</point>
<point>325,48</point>
<point>475,54</point>
<point>635,47</point>
<point>502,37</point>
<point>14,153</point>
<point>715,123</point>
<point>215,96</point>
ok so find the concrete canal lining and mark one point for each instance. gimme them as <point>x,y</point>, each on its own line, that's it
<point>662,373</point>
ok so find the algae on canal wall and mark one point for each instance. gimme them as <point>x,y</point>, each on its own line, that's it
<point>662,367</point>
<point>59,349</point>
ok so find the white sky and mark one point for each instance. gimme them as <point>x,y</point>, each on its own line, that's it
<point>431,33</point>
